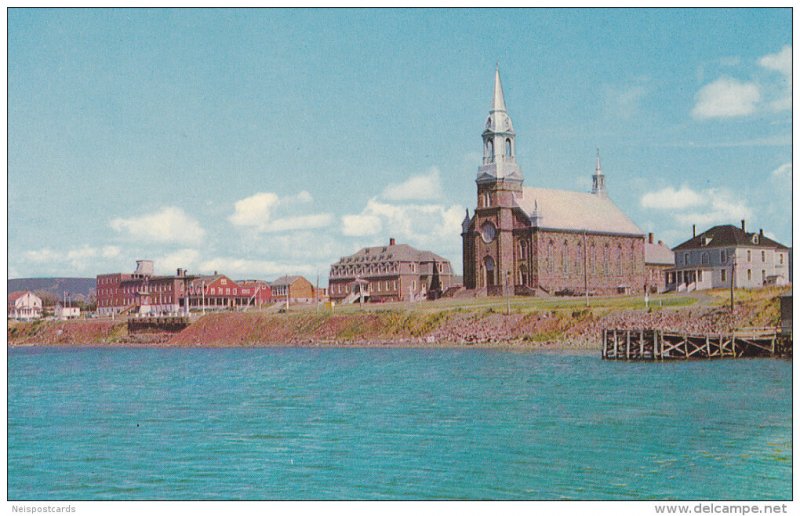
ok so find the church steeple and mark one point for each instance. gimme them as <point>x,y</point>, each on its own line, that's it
<point>498,102</point>
<point>499,141</point>
<point>599,179</point>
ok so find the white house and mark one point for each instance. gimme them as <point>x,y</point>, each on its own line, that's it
<point>721,254</point>
<point>24,305</point>
<point>67,312</point>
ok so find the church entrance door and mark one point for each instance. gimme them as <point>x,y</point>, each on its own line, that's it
<point>489,267</point>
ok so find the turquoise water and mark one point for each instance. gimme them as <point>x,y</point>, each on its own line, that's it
<point>392,424</point>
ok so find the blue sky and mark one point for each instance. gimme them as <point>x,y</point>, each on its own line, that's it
<point>265,142</point>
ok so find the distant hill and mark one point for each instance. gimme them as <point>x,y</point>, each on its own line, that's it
<point>55,286</point>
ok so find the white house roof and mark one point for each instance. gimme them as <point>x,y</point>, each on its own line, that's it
<point>575,211</point>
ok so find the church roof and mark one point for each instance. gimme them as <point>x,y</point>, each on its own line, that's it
<point>576,211</point>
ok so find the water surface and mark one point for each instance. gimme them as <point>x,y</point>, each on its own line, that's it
<point>94,423</point>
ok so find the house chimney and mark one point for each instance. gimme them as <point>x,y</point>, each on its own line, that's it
<point>743,225</point>
<point>761,232</point>
<point>660,242</point>
<point>391,241</point>
<point>650,237</point>
<point>180,272</point>
<point>694,230</point>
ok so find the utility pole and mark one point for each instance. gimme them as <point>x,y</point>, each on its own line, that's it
<point>508,298</point>
<point>733,277</point>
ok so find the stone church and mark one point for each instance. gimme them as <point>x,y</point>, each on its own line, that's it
<point>540,240</point>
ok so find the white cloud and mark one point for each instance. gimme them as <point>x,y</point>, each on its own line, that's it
<point>239,267</point>
<point>721,207</point>
<point>361,225</point>
<point>704,208</point>
<point>420,224</point>
<point>258,212</point>
<point>780,62</point>
<point>77,258</point>
<point>182,258</point>
<point>168,225</point>
<point>670,199</point>
<point>725,98</point>
<point>782,172</point>
<point>422,187</point>
<point>110,251</point>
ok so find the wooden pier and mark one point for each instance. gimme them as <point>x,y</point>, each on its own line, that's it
<point>164,323</point>
<point>669,345</point>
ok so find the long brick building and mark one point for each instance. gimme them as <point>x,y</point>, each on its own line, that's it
<point>147,293</point>
<point>540,239</point>
<point>394,272</point>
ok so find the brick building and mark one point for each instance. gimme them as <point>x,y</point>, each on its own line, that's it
<point>388,273</point>
<point>538,239</point>
<point>144,292</point>
<point>296,288</point>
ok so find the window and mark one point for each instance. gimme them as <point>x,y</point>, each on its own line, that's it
<point>223,281</point>
<point>605,259</point>
<point>780,258</point>
<point>579,258</point>
<point>619,259</point>
<point>723,275</point>
<point>704,259</point>
<point>549,257</point>
<point>523,248</point>
<point>213,291</point>
<point>749,274</point>
<point>763,276</point>
<point>508,147</point>
<point>486,199</point>
<point>414,285</point>
<point>564,258</point>
<point>722,256</point>
<point>749,256</point>
<point>686,258</point>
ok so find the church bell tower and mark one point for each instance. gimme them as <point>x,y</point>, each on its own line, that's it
<point>488,238</point>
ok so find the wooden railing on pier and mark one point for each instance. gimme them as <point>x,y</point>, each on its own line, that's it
<point>651,344</point>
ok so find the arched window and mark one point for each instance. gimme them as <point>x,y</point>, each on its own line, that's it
<point>592,259</point>
<point>619,259</point>
<point>564,259</point>
<point>605,260</point>
<point>523,249</point>
<point>579,258</point>
<point>508,147</point>
<point>490,149</point>
<point>549,257</point>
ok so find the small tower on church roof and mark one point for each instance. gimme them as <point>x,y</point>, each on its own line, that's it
<point>599,179</point>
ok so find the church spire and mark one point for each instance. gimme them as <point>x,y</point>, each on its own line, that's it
<point>498,101</point>
<point>499,145</point>
<point>599,179</point>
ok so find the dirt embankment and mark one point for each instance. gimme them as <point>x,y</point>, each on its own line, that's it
<point>564,328</point>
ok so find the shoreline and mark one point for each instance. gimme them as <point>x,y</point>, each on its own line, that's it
<point>529,327</point>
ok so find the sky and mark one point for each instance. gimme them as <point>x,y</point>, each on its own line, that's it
<point>267,142</point>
